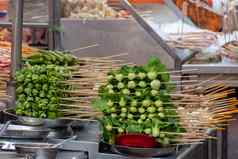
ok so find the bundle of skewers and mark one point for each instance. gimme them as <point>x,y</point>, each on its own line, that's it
<point>4,78</point>
<point>55,84</point>
<point>84,83</point>
<point>202,14</point>
<point>230,22</point>
<point>127,105</point>
<point>127,99</point>
<point>5,63</point>
<point>192,40</point>
<point>204,106</point>
<point>230,51</point>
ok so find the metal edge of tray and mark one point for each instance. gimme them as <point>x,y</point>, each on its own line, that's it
<point>212,68</point>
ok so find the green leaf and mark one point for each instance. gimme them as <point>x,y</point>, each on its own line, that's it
<point>100,104</point>
<point>134,127</point>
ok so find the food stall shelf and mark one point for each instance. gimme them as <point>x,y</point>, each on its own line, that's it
<point>213,68</point>
<point>31,25</point>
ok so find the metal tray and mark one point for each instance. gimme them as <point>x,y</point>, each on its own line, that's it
<point>25,132</point>
<point>143,152</point>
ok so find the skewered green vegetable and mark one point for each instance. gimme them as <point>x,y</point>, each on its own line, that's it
<point>44,57</point>
<point>38,91</point>
<point>138,98</point>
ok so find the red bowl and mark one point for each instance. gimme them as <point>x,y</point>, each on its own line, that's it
<point>136,140</point>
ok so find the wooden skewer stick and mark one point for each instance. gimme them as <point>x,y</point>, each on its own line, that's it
<point>174,82</point>
<point>225,101</point>
<point>188,140</point>
<point>114,56</point>
<point>214,106</point>
<point>217,90</point>
<point>179,71</point>
<point>77,98</point>
<point>222,108</point>
<point>75,106</point>
<point>214,87</point>
<point>85,47</point>
<point>187,143</point>
<point>184,76</point>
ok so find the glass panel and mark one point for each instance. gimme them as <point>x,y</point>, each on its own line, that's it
<point>34,10</point>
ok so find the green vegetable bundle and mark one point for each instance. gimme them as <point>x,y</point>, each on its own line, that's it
<point>38,91</point>
<point>44,57</point>
<point>38,87</point>
<point>136,100</point>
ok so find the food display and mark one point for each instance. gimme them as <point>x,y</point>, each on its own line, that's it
<point>90,9</point>
<point>141,102</point>
<point>201,14</point>
<point>135,110</point>
<point>230,51</point>
<point>230,18</point>
<point>39,87</point>
<point>136,100</point>
<point>205,58</point>
<point>29,36</point>
<point>192,40</point>
<point>43,57</point>
<point>54,84</point>
<point>5,63</point>
<point>39,91</point>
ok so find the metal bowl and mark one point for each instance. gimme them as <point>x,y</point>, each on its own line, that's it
<point>32,148</point>
<point>25,132</point>
<point>48,123</point>
<point>143,152</point>
<point>30,121</point>
<point>39,151</point>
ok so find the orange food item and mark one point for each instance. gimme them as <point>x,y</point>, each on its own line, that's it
<point>26,50</point>
<point>201,16</point>
<point>210,2</point>
<point>3,5</point>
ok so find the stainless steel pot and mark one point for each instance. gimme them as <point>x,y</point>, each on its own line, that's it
<point>37,151</point>
<point>30,121</point>
<point>23,132</point>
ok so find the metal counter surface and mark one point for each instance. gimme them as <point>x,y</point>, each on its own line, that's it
<point>87,147</point>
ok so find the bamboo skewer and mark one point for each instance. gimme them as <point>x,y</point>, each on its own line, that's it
<point>114,56</point>
<point>219,110</point>
<point>83,48</point>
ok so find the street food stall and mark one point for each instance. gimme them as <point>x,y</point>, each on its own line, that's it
<point>124,80</point>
